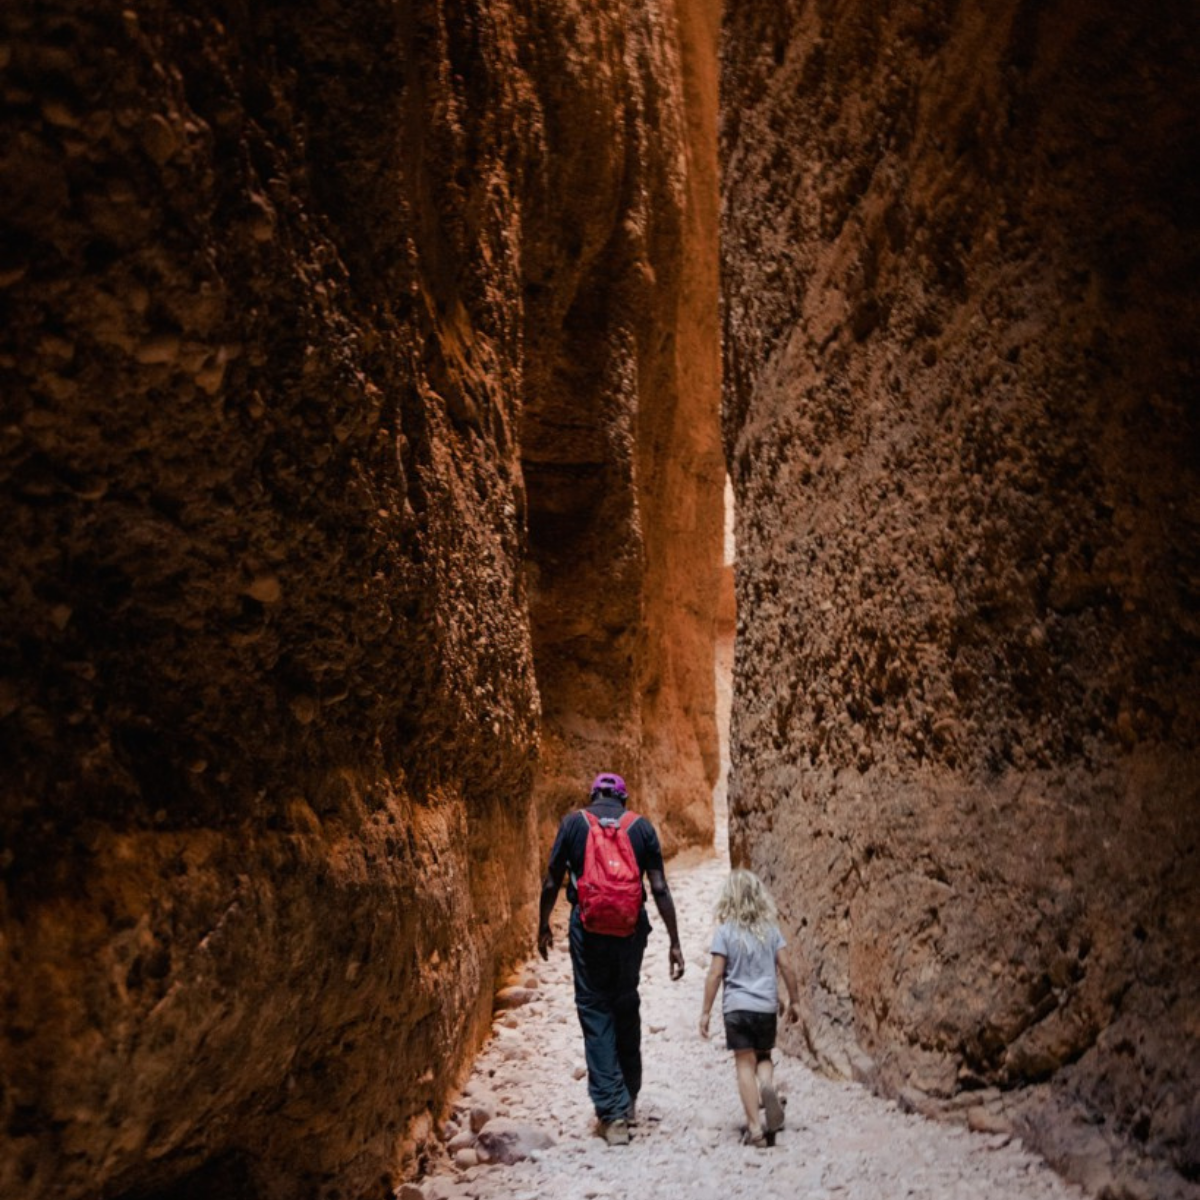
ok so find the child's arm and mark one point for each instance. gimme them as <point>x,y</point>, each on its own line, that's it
<point>712,981</point>
<point>789,978</point>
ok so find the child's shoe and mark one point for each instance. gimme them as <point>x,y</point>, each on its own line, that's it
<point>774,1109</point>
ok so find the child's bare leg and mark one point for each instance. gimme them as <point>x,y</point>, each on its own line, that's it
<point>765,1070</point>
<point>748,1089</point>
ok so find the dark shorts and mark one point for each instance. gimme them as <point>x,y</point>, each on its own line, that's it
<point>750,1031</point>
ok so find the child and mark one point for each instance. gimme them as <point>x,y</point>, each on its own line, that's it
<point>745,956</point>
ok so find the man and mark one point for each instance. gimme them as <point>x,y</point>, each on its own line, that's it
<point>607,968</point>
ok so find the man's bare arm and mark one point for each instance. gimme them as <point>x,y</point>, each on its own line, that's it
<point>666,910</point>
<point>550,887</point>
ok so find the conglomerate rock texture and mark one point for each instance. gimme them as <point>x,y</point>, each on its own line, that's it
<point>959,284</point>
<point>302,309</point>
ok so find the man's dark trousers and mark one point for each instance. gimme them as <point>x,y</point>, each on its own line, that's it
<point>606,997</point>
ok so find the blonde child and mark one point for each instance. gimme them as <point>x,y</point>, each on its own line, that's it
<point>745,957</point>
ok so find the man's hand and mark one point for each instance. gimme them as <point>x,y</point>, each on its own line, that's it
<point>793,1013</point>
<point>666,910</point>
<point>676,960</point>
<point>704,1025</point>
<point>545,941</point>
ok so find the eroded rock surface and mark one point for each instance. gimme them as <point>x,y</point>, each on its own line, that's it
<point>625,493</point>
<point>959,255</point>
<point>282,294</point>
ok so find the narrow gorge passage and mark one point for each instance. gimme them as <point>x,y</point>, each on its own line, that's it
<point>370,372</point>
<point>839,1143</point>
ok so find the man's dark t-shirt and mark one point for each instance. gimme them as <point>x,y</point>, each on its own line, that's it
<point>571,844</point>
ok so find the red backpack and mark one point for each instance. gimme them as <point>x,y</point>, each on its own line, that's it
<point>610,888</point>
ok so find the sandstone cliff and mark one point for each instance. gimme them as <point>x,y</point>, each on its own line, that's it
<point>959,264</point>
<point>625,504</point>
<point>292,304</point>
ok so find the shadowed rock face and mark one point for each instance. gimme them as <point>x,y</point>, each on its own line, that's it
<point>959,263</point>
<point>292,307</point>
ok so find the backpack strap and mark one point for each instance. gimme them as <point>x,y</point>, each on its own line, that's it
<point>590,820</point>
<point>628,821</point>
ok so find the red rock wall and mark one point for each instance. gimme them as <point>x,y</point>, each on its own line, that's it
<point>625,493</point>
<point>959,264</point>
<point>269,713</point>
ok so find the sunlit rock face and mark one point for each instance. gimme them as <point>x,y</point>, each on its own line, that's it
<point>621,454</point>
<point>959,264</point>
<point>289,301</point>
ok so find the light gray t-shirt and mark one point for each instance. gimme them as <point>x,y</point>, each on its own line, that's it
<point>749,967</point>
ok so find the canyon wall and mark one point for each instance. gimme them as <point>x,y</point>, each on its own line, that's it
<point>959,260</point>
<point>625,507</point>
<point>292,302</point>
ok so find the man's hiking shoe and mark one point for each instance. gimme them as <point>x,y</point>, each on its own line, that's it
<point>616,1133</point>
<point>774,1110</point>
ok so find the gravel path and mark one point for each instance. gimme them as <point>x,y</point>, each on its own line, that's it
<point>839,1142</point>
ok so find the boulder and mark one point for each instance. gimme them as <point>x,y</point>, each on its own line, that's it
<point>514,997</point>
<point>507,1141</point>
<point>481,1114</point>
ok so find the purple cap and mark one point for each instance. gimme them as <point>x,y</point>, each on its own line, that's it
<point>609,783</point>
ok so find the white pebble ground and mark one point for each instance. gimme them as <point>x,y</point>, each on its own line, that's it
<point>840,1142</point>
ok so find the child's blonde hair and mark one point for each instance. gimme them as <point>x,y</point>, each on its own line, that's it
<point>745,902</point>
